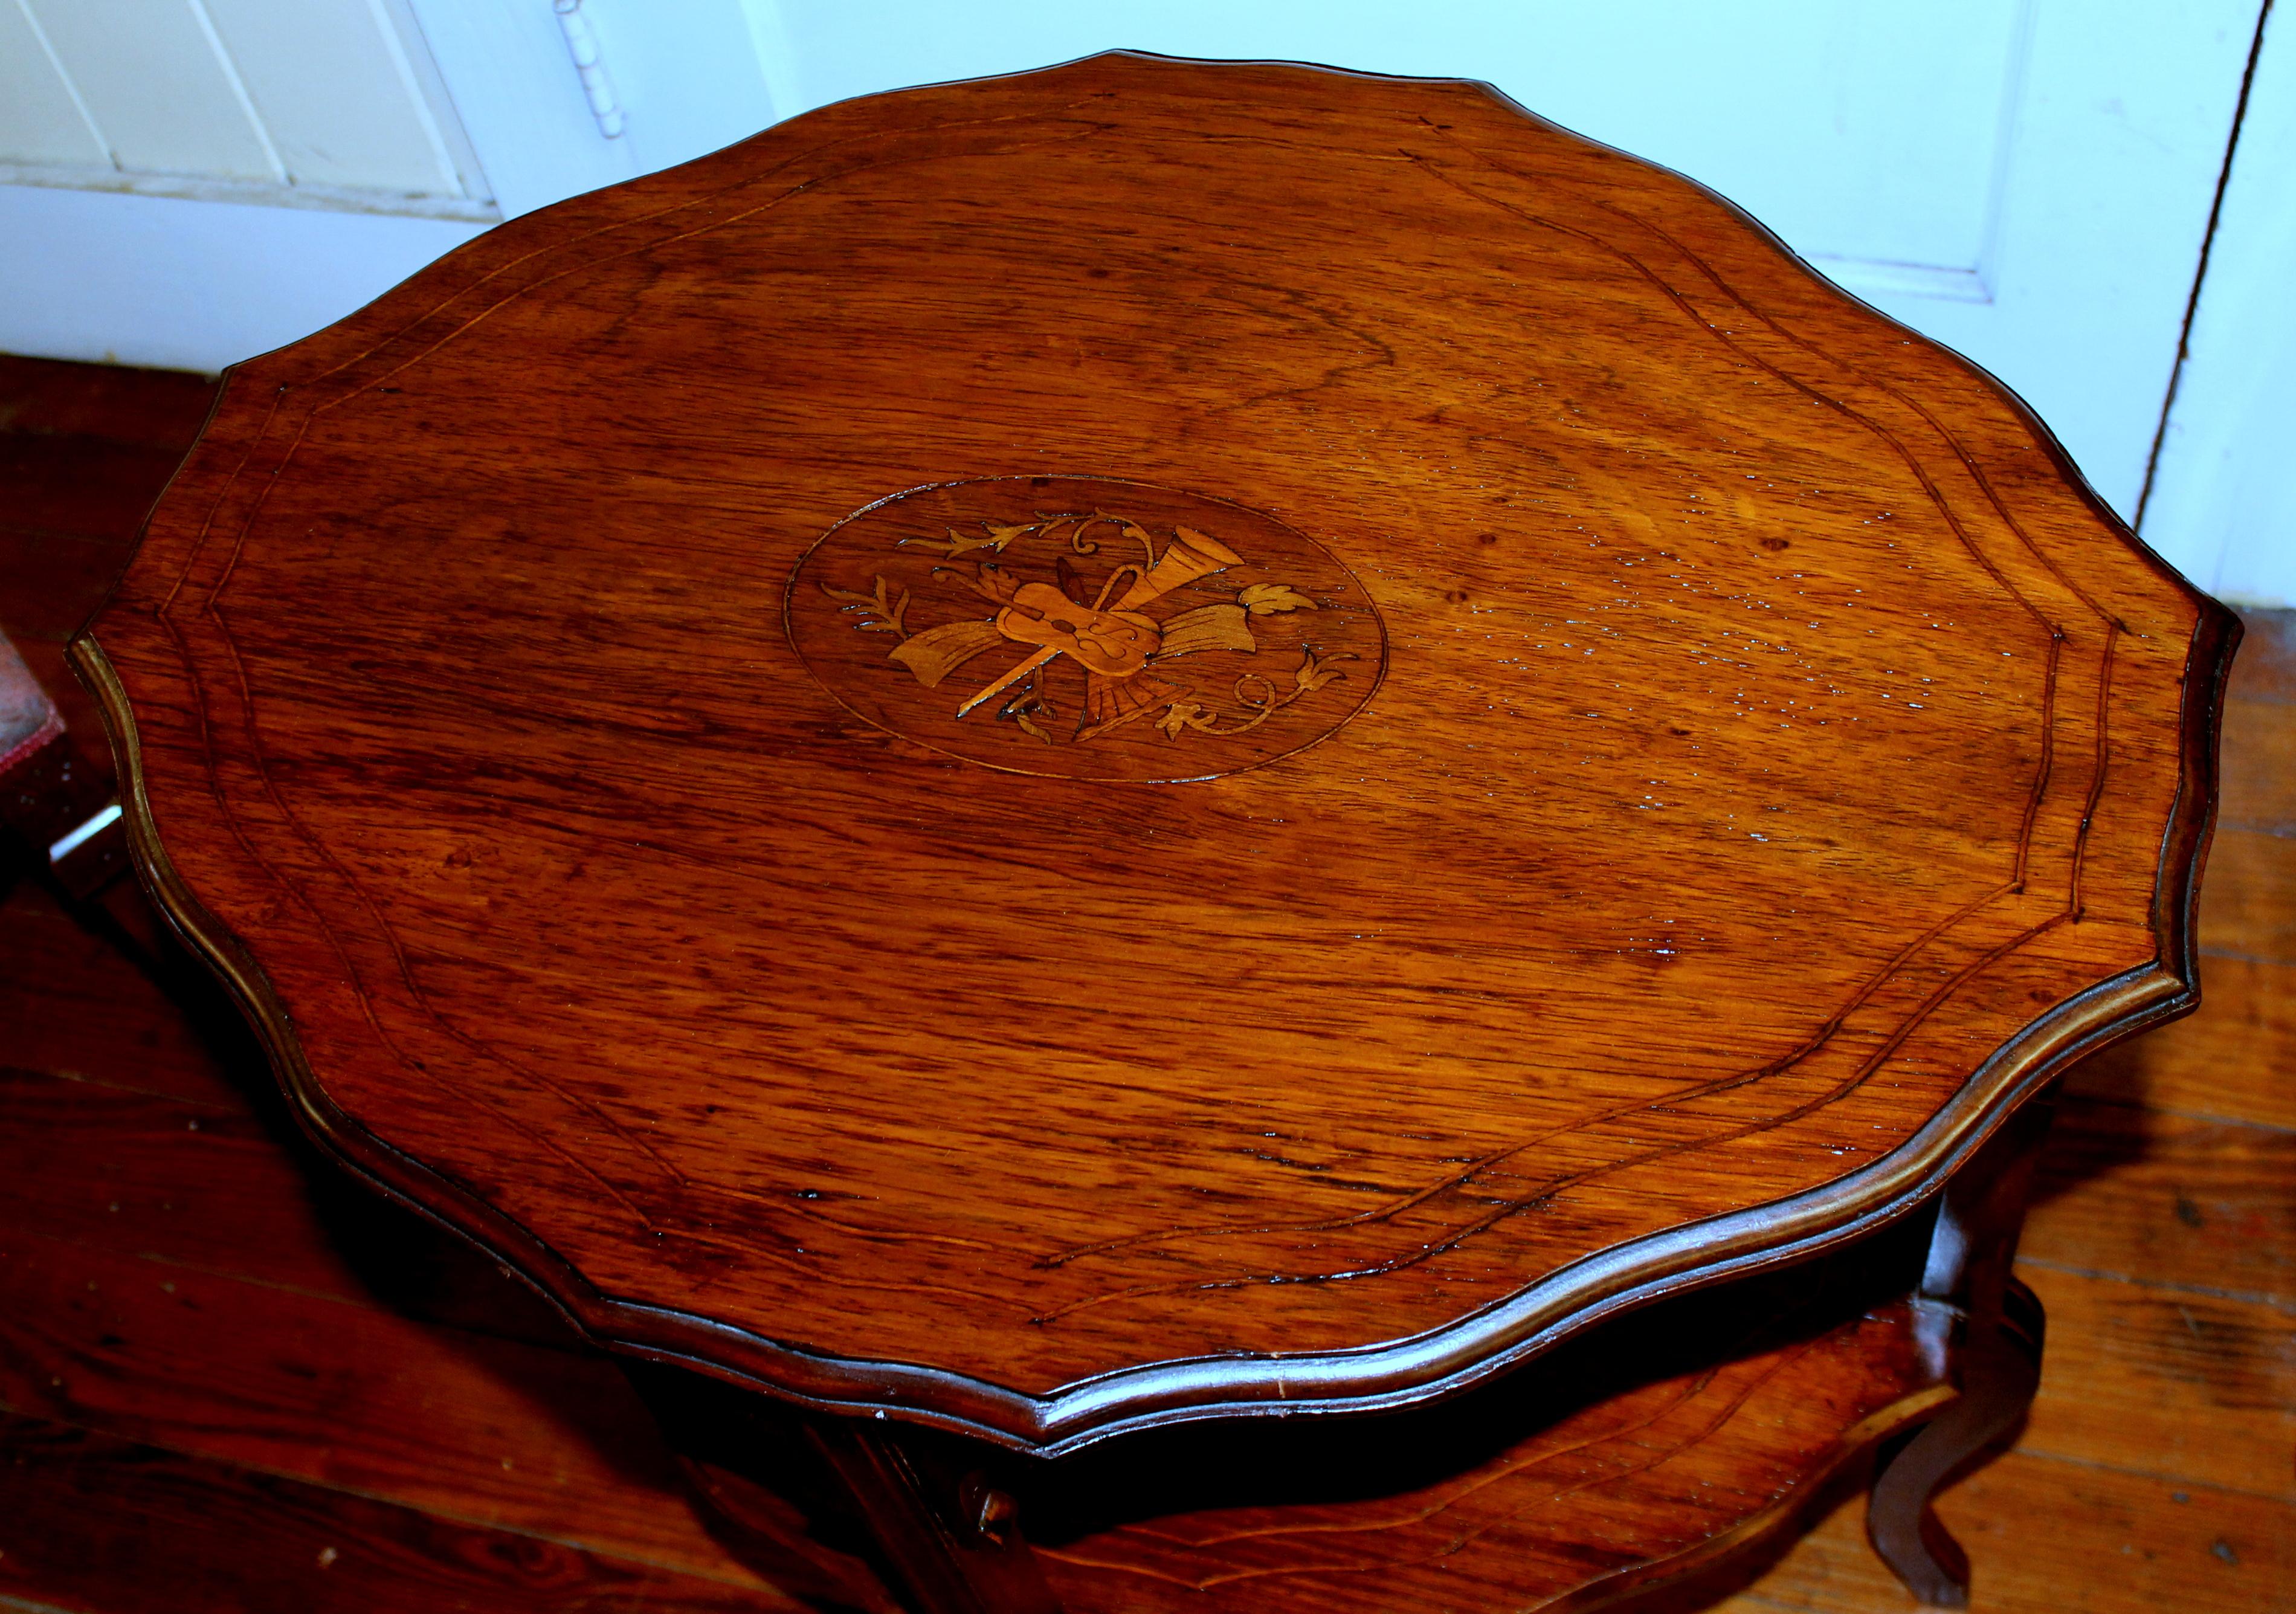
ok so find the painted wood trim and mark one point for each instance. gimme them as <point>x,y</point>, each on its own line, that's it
<point>2220,496</point>
<point>250,193</point>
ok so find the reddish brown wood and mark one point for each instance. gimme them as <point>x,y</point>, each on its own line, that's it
<point>83,453</point>
<point>1654,1448</point>
<point>802,1522</point>
<point>84,450</point>
<point>2158,1396</point>
<point>1155,740</point>
<point>2198,1204</point>
<point>2000,1328</point>
<point>209,1185</point>
<point>75,1005</point>
<point>95,1524</point>
<point>176,1270</point>
<point>948,1529</point>
<point>2048,1534</point>
<point>62,400</point>
<point>934,1513</point>
<point>1770,776</point>
<point>2158,1378</point>
<point>491,1431</point>
<point>52,801</point>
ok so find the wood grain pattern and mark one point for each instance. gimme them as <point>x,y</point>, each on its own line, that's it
<point>2055,1537</point>
<point>52,398</point>
<point>2169,1380</point>
<point>486,1431</point>
<point>178,1271</point>
<point>1260,644</point>
<point>2261,796</point>
<point>59,979</point>
<point>2127,1192</point>
<point>1635,1461</point>
<point>1774,733</point>
<point>2204,1066</point>
<point>96,1524</point>
<point>84,451</point>
<point>2253,921</point>
<point>2158,1200</point>
<point>209,1185</point>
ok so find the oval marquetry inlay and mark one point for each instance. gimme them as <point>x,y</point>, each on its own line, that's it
<point>1086,628</point>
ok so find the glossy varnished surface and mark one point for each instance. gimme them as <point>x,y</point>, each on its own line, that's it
<point>1640,1455</point>
<point>1768,731</point>
<point>326,1397</point>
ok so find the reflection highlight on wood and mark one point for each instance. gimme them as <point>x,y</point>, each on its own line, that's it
<point>1611,1496</point>
<point>1751,728</point>
<point>2173,1187</point>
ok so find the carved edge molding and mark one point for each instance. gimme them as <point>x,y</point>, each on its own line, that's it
<point>1438,1364</point>
<point>1396,1374</point>
<point>1783,1517</point>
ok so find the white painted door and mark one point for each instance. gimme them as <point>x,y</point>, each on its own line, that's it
<point>2223,498</point>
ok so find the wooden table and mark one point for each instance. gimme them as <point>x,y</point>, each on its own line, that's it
<point>1055,767</point>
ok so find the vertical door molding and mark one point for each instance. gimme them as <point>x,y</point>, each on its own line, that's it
<point>519,100</point>
<point>2107,174</point>
<point>2222,505</point>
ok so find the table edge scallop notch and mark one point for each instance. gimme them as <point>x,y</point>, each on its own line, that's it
<point>1389,1375</point>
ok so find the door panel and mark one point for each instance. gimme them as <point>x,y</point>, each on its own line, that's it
<point>2109,163</point>
<point>2223,503</point>
<point>338,95</point>
<point>41,118</point>
<point>155,80</point>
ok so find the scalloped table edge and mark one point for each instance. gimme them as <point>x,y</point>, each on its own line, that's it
<point>1398,1373</point>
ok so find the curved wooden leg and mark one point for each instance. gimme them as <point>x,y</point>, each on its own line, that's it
<point>766,1531</point>
<point>1996,1358</point>
<point>1998,1377</point>
<point>929,1508</point>
<point>951,1537</point>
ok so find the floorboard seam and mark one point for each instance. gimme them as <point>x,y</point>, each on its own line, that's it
<point>2245,1297</point>
<point>2178,1481</point>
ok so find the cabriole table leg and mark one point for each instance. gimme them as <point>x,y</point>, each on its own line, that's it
<point>850,1513</point>
<point>950,1532</point>
<point>1997,1350</point>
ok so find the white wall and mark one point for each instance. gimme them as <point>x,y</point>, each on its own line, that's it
<point>2224,496</point>
<point>191,285</point>
<point>189,182</point>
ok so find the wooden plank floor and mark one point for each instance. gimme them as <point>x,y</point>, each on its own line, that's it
<point>230,1381</point>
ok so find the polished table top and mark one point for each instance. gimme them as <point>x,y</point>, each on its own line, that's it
<point>1152,738</point>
